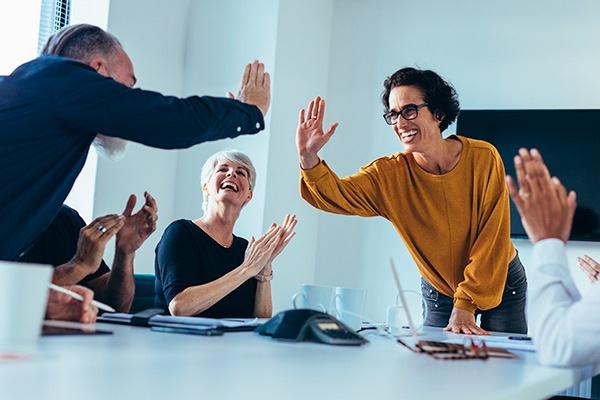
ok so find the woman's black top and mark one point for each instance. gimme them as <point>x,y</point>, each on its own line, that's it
<point>187,256</point>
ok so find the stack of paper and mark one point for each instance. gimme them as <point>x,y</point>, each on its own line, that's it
<point>502,342</point>
<point>168,320</point>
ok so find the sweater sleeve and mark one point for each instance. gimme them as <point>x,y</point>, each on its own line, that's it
<point>564,325</point>
<point>358,194</point>
<point>87,101</point>
<point>487,268</point>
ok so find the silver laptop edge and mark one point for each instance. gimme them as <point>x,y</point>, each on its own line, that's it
<point>413,331</point>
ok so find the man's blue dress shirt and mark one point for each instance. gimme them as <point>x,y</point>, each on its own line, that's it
<point>50,111</point>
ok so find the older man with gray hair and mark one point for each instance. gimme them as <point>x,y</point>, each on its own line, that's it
<point>78,92</point>
<point>54,107</point>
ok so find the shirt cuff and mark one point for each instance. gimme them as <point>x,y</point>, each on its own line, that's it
<point>315,173</point>
<point>465,305</point>
<point>255,124</point>
<point>549,251</point>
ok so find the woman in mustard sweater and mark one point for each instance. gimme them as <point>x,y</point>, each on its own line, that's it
<point>445,197</point>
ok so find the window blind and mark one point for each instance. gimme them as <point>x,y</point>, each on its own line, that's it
<point>55,14</point>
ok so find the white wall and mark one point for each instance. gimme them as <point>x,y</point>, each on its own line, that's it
<point>509,54</point>
<point>215,59</point>
<point>153,35</point>
<point>300,72</point>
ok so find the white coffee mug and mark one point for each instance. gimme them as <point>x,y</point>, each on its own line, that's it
<point>23,296</point>
<point>314,297</point>
<point>349,305</point>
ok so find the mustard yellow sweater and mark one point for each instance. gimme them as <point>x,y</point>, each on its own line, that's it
<point>456,225</point>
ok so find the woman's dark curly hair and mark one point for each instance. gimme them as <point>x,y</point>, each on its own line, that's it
<point>440,96</point>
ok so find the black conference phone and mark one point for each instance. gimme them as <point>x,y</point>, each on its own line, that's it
<point>311,326</point>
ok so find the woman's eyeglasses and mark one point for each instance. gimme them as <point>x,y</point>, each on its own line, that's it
<point>450,351</point>
<point>408,112</point>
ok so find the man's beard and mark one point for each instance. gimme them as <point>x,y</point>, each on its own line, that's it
<point>110,147</point>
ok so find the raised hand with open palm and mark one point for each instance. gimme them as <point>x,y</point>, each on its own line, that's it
<point>310,137</point>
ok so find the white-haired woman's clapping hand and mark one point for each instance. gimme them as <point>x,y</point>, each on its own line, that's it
<point>260,251</point>
<point>287,233</point>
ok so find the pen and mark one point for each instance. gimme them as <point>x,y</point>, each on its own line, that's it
<point>526,338</point>
<point>77,296</point>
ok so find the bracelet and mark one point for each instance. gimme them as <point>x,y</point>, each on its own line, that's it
<point>264,278</point>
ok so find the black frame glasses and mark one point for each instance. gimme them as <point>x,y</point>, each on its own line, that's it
<point>450,351</point>
<point>408,112</point>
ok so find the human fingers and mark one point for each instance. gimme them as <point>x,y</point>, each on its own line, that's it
<point>532,176</point>
<point>253,72</point>
<point>150,208</point>
<point>129,205</point>
<point>273,243</point>
<point>150,201</point>
<point>100,226</point>
<point>310,110</point>
<point>89,314</point>
<point>320,110</point>
<point>290,226</point>
<point>282,244</point>
<point>102,219</point>
<point>466,330</point>
<point>315,111</point>
<point>86,294</point>
<point>559,191</point>
<point>111,222</point>
<point>537,156</point>
<point>260,74</point>
<point>273,237</point>
<point>266,235</point>
<point>246,74</point>
<point>286,221</point>
<point>455,329</point>
<point>523,189</point>
<point>331,130</point>
<point>591,261</point>
<point>112,230</point>
<point>293,221</point>
<point>301,117</point>
<point>266,83</point>
<point>514,194</point>
<point>588,269</point>
<point>572,203</point>
<point>151,214</point>
<point>478,330</point>
<point>524,154</point>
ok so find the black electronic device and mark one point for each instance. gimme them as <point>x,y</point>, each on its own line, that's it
<point>311,326</point>
<point>569,141</point>
<point>189,330</point>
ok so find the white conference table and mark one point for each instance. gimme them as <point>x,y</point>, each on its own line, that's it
<point>136,363</point>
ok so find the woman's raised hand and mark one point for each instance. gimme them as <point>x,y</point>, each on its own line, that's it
<point>287,233</point>
<point>310,137</point>
<point>259,251</point>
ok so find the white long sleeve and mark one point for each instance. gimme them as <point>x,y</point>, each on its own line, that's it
<point>565,326</point>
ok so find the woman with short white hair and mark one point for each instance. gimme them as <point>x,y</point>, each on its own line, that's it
<point>202,268</point>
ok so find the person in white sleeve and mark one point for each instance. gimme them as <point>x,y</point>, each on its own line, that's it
<point>565,326</point>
